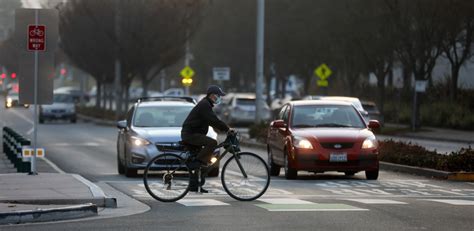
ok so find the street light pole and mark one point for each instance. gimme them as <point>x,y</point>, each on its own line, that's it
<point>118,67</point>
<point>259,56</point>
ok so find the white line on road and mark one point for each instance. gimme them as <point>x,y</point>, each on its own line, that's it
<point>54,166</point>
<point>377,201</point>
<point>200,202</point>
<point>23,117</point>
<point>285,201</point>
<point>453,202</point>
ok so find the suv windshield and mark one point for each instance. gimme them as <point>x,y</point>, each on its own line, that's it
<point>63,98</point>
<point>161,116</point>
<point>326,116</point>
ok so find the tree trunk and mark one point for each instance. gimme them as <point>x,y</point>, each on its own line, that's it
<point>454,82</point>
<point>380,90</point>
<point>98,93</point>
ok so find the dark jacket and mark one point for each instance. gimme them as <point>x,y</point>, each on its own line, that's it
<point>201,117</point>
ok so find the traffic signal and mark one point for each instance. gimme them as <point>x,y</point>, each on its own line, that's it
<point>187,82</point>
<point>63,71</point>
<point>3,75</point>
<point>13,75</point>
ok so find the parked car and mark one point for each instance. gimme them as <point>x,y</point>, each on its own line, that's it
<point>373,111</point>
<point>320,136</point>
<point>152,127</point>
<point>63,108</point>
<point>241,109</point>
<point>355,101</point>
<point>12,100</point>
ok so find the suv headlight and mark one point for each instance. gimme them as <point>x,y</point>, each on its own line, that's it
<point>139,142</point>
<point>370,142</point>
<point>300,142</point>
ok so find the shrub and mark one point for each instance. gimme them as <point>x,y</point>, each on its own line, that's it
<point>259,131</point>
<point>99,113</point>
<point>414,155</point>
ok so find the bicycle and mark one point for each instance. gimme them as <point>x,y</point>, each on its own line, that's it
<point>245,176</point>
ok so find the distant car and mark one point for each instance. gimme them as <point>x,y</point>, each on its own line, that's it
<point>75,92</point>
<point>241,109</point>
<point>12,100</point>
<point>319,136</point>
<point>373,111</point>
<point>355,101</point>
<point>152,127</point>
<point>63,108</point>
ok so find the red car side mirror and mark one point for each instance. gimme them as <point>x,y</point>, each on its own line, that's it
<point>374,124</point>
<point>278,124</point>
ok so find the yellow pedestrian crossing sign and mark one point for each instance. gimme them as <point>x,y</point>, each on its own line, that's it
<point>187,72</point>
<point>323,71</point>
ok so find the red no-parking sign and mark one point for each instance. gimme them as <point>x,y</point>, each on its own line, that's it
<point>36,38</point>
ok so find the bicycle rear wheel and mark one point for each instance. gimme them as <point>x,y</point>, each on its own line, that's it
<point>251,186</point>
<point>166,177</point>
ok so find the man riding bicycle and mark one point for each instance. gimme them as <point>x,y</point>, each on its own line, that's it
<point>196,126</point>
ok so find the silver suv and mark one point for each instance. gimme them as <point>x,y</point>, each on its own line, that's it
<point>152,127</point>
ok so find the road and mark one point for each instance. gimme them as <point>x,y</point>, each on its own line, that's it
<point>328,201</point>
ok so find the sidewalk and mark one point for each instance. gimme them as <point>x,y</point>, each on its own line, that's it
<point>439,134</point>
<point>48,196</point>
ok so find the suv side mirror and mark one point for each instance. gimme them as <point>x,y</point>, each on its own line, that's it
<point>278,124</point>
<point>374,125</point>
<point>122,124</point>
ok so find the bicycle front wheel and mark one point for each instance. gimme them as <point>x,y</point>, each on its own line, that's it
<point>166,177</point>
<point>245,176</point>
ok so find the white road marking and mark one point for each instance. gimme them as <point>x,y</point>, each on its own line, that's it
<point>23,117</point>
<point>453,202</point>
<point>54,166</point>
<point>285,201</point>
<point>315,210</point>
<point>87,144</point>
<point>377,201</point>
<point>201,202</point>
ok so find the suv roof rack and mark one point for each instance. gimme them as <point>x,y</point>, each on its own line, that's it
<point>167,98</point>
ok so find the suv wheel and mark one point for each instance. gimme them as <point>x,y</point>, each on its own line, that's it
<point>214,172</point>
<point>120,167</point>
<point>130,172</point>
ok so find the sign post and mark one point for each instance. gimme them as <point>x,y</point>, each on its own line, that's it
<point>36,33</point>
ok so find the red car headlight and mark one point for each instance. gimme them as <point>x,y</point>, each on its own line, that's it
<point>300,142</point>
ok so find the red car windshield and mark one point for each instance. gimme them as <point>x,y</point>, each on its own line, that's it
<point>326,116</point>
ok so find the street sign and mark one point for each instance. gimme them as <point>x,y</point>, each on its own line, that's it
<point>36,37</point>
<point>221,73</point>
<point>323,83</point>
<point>323,71</point>
<point>187,72</point>
<point>420,85</point>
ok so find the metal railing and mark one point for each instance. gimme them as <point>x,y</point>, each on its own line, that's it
<point>12,147</point>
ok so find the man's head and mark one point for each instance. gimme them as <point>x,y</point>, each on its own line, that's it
<point>214,93</point>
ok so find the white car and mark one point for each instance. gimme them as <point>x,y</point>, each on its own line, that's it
<point>241,108</point>
<point>63,108</point>
<point>355,101</point>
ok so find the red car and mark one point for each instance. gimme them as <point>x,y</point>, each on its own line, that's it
<point>319,136</point>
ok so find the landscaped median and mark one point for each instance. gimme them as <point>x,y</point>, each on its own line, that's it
<point>455,166</point>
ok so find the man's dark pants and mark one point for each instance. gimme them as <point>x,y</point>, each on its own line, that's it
<point>204,155</point>
<point>201,140</point>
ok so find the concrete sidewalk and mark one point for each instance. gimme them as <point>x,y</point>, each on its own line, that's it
<point>439,134</point>
<point>48,196</point>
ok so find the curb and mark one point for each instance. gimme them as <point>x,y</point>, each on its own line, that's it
<point>426,172</point>
<point>53,214</point>
<point>99,202</point>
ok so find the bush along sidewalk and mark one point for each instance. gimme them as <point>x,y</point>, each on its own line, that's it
<point>417,156</point>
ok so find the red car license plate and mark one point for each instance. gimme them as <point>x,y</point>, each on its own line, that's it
<point>338,157</point>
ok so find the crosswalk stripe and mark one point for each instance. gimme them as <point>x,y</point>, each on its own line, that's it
<point>285,201</point>
<point>377,201</point>
<point>309,207</point>
<point>201,202</point>
<point>453,202</point>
